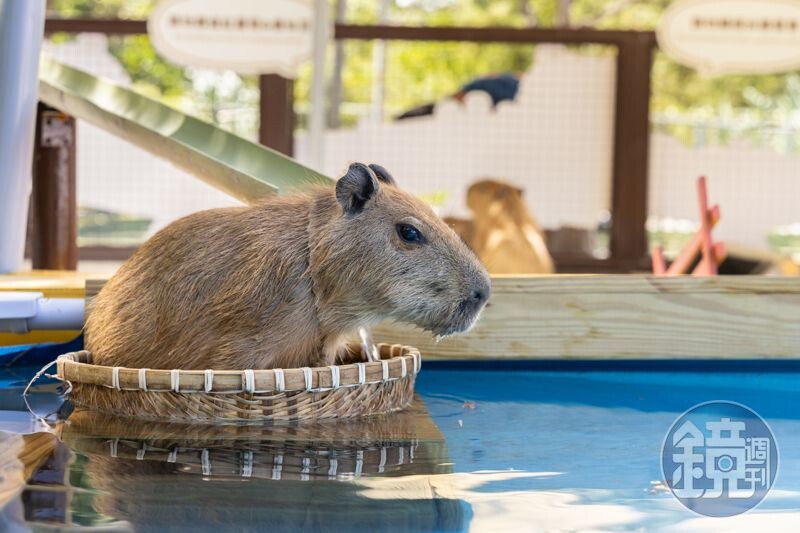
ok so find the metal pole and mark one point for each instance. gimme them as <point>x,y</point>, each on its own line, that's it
<point>21,30</point>
<point>316,123</point>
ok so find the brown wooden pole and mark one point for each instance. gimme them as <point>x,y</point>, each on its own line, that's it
<point>489,34</point>
<point>631,151</point>
<point>95,25</point>
<point>276,127</point>
<point>53,218</point>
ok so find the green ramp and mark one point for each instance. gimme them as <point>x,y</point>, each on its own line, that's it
<point>243,169</point>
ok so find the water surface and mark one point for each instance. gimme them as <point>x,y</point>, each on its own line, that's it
<point>501,447</point>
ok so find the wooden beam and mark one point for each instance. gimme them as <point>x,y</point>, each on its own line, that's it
<point>491,34</point>
<point>53,228</point>
<point>631,151</point>
<point>620,317</point>
<point>379,31</point>
<point>624,317</point>
<point>95,25</point>
<point>276,113</point>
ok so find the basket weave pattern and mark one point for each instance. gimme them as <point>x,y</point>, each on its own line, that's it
<point>340,391</point>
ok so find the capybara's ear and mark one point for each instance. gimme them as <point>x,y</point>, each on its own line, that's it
<point>383,174</point>
<point>355,188</point>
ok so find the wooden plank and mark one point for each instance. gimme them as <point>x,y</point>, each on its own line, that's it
<point>633,284</point>
<point>621,317</point>
<point>52,283</point>
<point>625,317</point>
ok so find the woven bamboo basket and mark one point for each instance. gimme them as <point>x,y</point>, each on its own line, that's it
<point>218,396</point>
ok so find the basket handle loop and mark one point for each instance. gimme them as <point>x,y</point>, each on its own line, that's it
<point>334,376</point>
<point>249,380</point>
<point>115,378</point>
<point>362,373</point>
<point>143,379</point>
<point>280,383</point>
<point>175,380</point>
<point>308,378</point>
<point>385,365</point>
<point>208,380</point>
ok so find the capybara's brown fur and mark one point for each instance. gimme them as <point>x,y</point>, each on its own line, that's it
<point>504,233</point>
<point>284,283</point>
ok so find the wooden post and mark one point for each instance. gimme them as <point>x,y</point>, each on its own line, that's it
<point>53,218</point>
<point>631,150</point>
<point>276,128</point>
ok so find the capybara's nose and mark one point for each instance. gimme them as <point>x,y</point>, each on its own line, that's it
<point>478,296</point>
<point>480,293</point>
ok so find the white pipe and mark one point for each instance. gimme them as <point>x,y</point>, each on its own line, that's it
<point>58,313</point>
<point>21,312</point>
<point>316,119</point>
<point>21,31</point>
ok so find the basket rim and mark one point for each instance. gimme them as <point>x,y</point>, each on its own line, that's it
<point>397,362</point>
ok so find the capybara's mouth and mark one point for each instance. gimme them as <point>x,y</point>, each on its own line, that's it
<point>464,319</point>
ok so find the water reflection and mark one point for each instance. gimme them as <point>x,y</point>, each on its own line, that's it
<point>403,443</point>
<point>100,471</point>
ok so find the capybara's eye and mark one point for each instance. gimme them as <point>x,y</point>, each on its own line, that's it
<point>409,233</point>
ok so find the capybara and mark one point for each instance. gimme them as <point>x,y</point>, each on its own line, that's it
<point>286,282</point>
<point>503,232</point>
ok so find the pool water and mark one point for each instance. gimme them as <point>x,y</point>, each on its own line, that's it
<point>539,446</point>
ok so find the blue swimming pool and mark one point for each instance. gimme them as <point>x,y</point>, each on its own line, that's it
<point>522,446</point>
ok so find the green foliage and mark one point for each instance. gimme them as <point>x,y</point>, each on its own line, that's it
<point>124,9</point>
<point>150,73</point>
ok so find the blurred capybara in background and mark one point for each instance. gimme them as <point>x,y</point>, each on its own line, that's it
<point>503,232</point>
